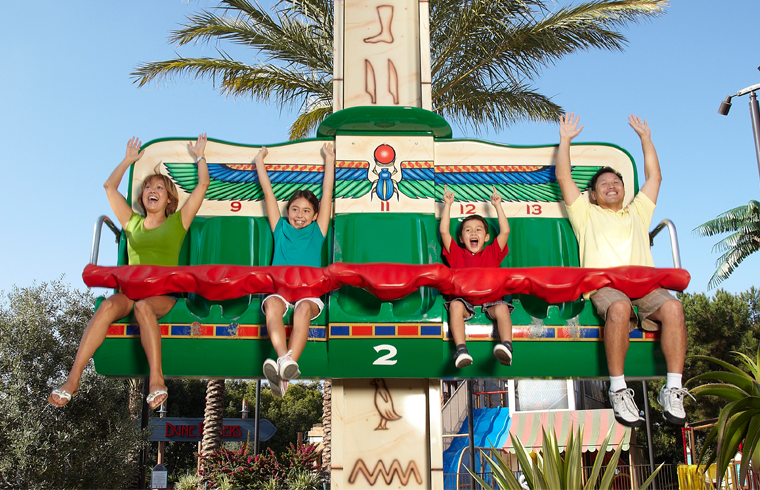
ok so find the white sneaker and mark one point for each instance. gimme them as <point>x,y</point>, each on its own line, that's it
<point>287,367</point>
<point>276,383</point>
<point>671,400</point>
<point>463,359</point>
<point>626,411</point>
<point>503,354</point>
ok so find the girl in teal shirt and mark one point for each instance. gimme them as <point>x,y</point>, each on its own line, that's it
<point>155,239</point>
<point>297,241</point>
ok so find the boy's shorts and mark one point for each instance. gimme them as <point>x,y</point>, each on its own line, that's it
<point>603,298</point>
<point>471,309</point>
<point>289,305</point>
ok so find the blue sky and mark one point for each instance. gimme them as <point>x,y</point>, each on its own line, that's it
<point>68,107</point>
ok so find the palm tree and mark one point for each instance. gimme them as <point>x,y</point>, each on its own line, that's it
<point>485,54</point>
<point>213,421</point>
<point>744,225</point>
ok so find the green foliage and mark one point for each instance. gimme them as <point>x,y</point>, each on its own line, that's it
<point>716,326</point>
<point>188,481</point>
<point>743,224</point>
<point>485,54</point>
<point>83,445</point>
<point>551,470</point>
<point>298,411</point>
<point>242,470</point>
<point>739,419</point>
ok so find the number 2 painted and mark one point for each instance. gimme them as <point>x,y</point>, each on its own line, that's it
<point>387,359</point>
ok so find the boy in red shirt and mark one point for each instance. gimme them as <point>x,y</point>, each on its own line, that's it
<point>473,233</point>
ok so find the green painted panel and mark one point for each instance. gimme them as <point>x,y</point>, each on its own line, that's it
<point>356,358</point>
<point>383,120</point>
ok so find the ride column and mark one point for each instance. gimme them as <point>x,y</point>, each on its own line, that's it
<point>386,430</point>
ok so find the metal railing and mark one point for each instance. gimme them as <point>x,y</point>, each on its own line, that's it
<point>673,240</point>
<point>95,249</point>
<point>453,413</point>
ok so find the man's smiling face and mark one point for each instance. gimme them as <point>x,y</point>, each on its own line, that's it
<point>609,192</point>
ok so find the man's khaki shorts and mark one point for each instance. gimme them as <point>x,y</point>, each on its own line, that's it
<point>603,298</point>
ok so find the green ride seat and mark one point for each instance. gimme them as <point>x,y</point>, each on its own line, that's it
<point>402,238</point>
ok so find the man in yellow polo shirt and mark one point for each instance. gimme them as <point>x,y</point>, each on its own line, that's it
<point>612,235</point>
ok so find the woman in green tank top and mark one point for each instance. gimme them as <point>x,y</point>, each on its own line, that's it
<point>151,240</point>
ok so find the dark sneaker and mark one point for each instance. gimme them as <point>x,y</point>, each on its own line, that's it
<point>626,411</point>
<point>503,354</point>
<point>463,359</point>
<point>671,400</point>
<point>287,367</point>
<point>276,384</point>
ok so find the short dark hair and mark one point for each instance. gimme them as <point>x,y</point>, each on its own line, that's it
<point>603,170</point>
<point>470,218</point>
<point>306,194</point>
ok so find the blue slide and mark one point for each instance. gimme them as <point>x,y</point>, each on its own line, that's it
<point>491,428</point>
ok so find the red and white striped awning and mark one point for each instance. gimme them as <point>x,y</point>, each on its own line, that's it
<point>596,423</point>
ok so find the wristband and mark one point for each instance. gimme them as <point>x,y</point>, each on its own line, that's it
<point>200,158</point>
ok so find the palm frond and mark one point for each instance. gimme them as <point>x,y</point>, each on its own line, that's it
<point>309,120</point>
<point>743,223</point>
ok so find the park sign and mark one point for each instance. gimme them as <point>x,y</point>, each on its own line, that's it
<point>191,429</point>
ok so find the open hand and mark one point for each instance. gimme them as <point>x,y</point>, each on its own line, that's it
<point>495,197</point>
<point>641,128</point>
<point>200,146</point>
<point>448,196</point>
<point>259,158</point>
<point>568,126</point>
<point>328,151</point>
<point>133,150</point>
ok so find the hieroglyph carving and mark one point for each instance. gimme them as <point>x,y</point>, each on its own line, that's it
<point>388,475</point>
<point>384,404</point>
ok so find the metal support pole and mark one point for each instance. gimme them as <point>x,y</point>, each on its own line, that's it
<point>257,418</point>
<point>245,412</point>
<point>162,444</point>
<point>649,432</point>
<point>755,112</point>
<point>471,430</point>
<point>144,425</point>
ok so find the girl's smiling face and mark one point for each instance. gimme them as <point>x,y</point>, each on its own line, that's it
<point>155,197</point>
<point>301,213</point>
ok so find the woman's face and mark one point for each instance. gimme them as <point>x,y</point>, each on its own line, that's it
<point>301,213</point>
<point>155,197</point>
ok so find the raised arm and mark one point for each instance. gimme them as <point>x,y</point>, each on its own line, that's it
<point>503,221</point>
<point>194,202</point>
<point>273,210</point>
<point>652,173</point>
<point>121,208</point>
<point>448,200</point>
<point>328,182</point>
<point>568,129</point>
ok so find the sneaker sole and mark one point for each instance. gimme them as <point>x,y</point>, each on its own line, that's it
<point>271,374</point>
<point>622,421</point>
<point>673,419</point>
<point>463,362</point>
<point>290,371</point>
<point>503,356</point>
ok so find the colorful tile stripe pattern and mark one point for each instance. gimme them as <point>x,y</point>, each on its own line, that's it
<point>485,168</point>
<point>352,164</point>
<point>278,167</point>
<point>545,332</point>
<point>202,331</point>
<point>386,330</point>
<point>415,164</point>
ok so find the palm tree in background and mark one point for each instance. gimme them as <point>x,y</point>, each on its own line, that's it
<point>744,225</point>
<point>485,54</point>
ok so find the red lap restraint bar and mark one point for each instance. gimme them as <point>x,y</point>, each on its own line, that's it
<point>385,281</point>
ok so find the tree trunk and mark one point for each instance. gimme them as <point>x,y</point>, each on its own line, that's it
<point>213,421</point>
<point>326,427</point>
<point>135,410</point>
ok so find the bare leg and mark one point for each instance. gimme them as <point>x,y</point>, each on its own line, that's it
<point>457,312</point>
<point>503,321</point>
<point>274,308</point>
<point>304,312</point>
<point>616,336</point>
<point>673,339</point>
<point>147,313</point>
<point>113,308</point>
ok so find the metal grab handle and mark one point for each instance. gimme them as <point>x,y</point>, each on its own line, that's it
<point>96,236</point>
<point>673,240</point>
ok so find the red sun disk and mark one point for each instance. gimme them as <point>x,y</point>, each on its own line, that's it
<point>384,154</point>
